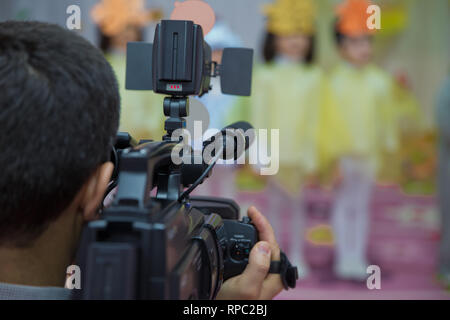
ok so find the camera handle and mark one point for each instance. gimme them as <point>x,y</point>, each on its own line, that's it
<point>176,108</point>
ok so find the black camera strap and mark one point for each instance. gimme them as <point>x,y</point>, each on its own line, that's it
<point>288,272</point>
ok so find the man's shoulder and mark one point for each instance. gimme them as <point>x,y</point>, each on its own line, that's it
<point>21,292</point>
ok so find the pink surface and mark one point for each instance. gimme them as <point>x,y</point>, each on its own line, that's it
<point>404,241</point>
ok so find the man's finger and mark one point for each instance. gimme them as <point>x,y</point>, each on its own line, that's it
<point>272,286</point>
<point>257,269</point>
<point>261,223</point>
<point>265,231</point>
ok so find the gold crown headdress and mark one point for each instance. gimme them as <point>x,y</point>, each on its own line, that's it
<point>288,17</point>
<point>113,16</point>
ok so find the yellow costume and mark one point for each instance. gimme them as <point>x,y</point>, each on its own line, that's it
<point>364,112</point>
<point>288,97</point>
<point>369,115</point>
<point>141,112</point>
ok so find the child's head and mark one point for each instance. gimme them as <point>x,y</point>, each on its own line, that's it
<point>357,50</point>
<point>119,40</point>
<point>121,21</point>
<point>290,30</point>
<point>353,36</point>
<point>299,47</point>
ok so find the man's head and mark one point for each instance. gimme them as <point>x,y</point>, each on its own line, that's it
<point>59,113</point>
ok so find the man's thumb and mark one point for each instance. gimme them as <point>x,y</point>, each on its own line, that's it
<point>258,267</point>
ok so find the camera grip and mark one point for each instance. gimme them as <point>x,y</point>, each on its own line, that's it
<point>236,242</point>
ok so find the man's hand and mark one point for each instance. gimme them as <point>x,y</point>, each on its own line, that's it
<point>255,282</point>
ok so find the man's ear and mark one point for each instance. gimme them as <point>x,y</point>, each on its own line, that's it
<point>95,189</point>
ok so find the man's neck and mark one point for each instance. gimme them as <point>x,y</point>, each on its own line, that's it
<point>32,268</point>
<point>45,261</point>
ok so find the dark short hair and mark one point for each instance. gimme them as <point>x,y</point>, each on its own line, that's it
<point>59,114</point>
<point>270,50</point>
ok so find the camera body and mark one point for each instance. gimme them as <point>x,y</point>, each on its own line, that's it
<point>156,241</point>
<point>182,65</point>
<point>178,63</point>
<point>148,247</point>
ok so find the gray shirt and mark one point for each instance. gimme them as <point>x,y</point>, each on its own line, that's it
<point>20,292</point>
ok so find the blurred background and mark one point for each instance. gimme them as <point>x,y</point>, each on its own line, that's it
<point>356,187</point>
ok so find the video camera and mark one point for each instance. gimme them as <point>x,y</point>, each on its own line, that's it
<point>156,241</point>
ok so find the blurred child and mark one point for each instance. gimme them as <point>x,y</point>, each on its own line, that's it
<point>362,95</point>
<point>286,96</point>
<point>120,22</point>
